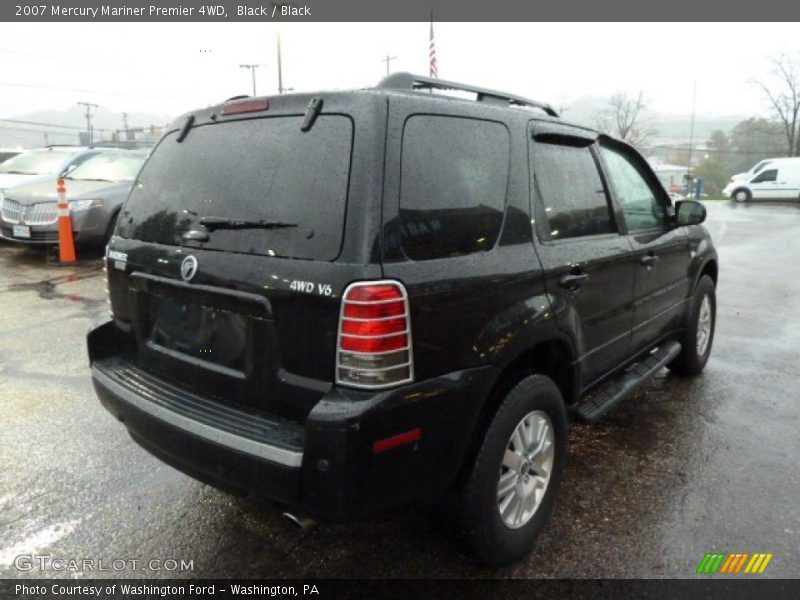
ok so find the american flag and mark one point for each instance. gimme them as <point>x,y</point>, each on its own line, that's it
<point>434,70</point>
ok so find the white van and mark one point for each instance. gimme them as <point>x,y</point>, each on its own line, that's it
<point>758,167</point>
<point>778,180</point>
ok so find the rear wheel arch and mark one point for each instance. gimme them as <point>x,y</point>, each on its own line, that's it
<point>553,358</point>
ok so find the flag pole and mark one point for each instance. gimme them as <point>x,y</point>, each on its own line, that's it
<point>433,69</point>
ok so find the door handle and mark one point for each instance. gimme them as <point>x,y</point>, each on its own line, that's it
<point>573,280</point>
<point>648,260</point>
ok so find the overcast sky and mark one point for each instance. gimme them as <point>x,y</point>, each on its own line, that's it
<point>168,68</point>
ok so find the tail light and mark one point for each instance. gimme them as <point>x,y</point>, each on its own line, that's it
<point>374,348</point>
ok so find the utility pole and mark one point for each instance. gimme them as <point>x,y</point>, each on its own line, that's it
<point>125,122</point>
<point>281,89</point>
<point>89,132</point>
<point>253,72</point>
<point>691,141</point>
<point>280,66</point>
<point>388,60</point>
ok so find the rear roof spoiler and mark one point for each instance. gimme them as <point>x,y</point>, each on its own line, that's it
<point>407,81</point>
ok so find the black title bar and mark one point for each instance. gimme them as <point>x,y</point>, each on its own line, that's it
<point>398,10</point>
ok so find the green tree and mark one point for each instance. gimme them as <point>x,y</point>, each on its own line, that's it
<point>715,175</point>
<point>719,146</point>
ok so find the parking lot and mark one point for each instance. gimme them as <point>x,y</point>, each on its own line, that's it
<point>685,467</point>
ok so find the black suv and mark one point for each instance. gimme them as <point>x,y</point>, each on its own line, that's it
<point>352,301</point>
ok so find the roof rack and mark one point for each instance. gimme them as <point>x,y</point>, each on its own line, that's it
<point>407,81</point>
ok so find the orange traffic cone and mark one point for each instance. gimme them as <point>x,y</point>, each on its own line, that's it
<point>66,242</point>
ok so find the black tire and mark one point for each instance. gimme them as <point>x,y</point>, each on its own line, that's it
<point>690,361</point>
<point>741,195</point>
<point>481,525</point>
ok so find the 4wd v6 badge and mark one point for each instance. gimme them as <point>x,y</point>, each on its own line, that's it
<point>323,289</point>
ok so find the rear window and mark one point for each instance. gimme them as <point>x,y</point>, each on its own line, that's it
<point>454,176</point>
<point>256,170</point>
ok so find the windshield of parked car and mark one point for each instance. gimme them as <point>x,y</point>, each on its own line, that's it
<point>109,167</point>
<point>36,162</point>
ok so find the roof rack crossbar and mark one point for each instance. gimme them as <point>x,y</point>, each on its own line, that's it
<point>407,81</point>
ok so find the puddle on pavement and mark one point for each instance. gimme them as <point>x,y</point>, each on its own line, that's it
<point>48,289</point>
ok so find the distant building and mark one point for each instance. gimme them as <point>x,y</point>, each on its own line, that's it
<point>672,176</point>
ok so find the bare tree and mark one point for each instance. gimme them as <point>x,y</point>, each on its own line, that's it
<point>784,96</point>
<point>624,118</point>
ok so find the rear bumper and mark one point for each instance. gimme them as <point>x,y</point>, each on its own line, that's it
<point>326,466</point>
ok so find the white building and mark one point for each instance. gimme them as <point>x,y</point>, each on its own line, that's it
<point>672,176</point>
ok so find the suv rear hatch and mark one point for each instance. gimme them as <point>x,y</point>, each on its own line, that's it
<point>230,259</point>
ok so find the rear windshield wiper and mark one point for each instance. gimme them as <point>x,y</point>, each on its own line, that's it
<point>212,223</point>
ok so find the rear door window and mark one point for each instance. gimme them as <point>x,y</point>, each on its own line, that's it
<point>289,186</point>
<point>454,176</point>
<point>571,198</point>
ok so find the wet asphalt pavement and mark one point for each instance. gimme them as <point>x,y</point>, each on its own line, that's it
<point>685,467</point>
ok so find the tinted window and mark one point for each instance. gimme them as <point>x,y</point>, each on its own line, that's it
<point>638,198</point>
<point>454,176</point>
<point>571,195</point>
<point>252,170</point>
<point>766,176</point>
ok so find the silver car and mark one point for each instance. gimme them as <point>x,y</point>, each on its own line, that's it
<point>96,191</point>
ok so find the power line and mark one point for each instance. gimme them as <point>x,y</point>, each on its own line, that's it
<point>715,151</point>
<point>66,59</point>
<point>19,122</point>
<point>26,130</point>
<point>84,91</point>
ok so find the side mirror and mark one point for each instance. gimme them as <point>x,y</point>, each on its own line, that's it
<point>689,212</point>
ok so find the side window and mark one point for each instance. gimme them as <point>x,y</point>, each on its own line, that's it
<point>638,197</point>
<point>766,176</point>
<point>454,175</point>
<point>570,195</point>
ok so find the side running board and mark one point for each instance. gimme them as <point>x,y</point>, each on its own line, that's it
<point>592,410</point>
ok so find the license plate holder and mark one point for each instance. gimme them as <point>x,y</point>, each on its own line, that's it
<point>21,231</point>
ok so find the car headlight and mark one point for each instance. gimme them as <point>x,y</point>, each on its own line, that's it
<point>84,204</point>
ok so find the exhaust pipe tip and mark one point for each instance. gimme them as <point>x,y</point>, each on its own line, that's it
<point>300,521</point>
